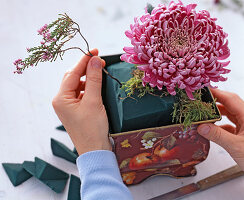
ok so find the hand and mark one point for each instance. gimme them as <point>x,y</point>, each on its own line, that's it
<point>229,137</point>
<point>79,105</point>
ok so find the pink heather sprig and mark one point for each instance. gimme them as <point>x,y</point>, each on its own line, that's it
<point>19,65</point>
<point>54,37</point>
<point>45,33</point>
<point>177,47</point>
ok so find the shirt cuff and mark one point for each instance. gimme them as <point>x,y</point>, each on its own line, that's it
<point>99,159</point>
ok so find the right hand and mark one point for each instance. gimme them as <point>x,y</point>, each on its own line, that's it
<point>229,137</point>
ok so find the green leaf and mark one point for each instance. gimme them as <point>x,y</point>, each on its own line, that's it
<point>149,8</point>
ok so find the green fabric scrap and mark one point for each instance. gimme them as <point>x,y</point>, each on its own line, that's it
<point>74,188</point>
<point>62,151</point>
<point>75,151</point>
<point>16,173</point>
<point>48,174</point>
<point>61,128</point>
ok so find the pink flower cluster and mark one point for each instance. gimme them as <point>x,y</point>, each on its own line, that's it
<point>47,56</point>
<point>42,29</point>
<point>176,46</point>
<point>45,32</point>
<point>19,65</point>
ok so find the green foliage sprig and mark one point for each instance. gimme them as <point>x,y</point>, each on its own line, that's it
<point>187,111</point>
<point>54,37</point>
<point>134,84</point>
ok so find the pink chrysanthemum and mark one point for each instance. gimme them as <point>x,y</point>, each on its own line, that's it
<point>178,47</point>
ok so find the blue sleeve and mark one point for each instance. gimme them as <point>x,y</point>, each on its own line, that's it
<point>100,177</point>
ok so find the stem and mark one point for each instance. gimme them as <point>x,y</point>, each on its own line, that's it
<point>90,54</point>
<point>78,29</point>
<point>75,48</point>
<point>112,77</point>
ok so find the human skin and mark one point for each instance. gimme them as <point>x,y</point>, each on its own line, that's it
<point>231,138</point>
<point>79,105</point>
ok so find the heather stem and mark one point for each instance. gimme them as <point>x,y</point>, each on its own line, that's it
<point>90,54</point>
<point>112,77</point>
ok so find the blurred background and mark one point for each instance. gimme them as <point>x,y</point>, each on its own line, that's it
<point>27,119</point>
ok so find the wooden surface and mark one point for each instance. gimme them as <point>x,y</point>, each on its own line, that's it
<point>27,119</point>
<point>221,177</point>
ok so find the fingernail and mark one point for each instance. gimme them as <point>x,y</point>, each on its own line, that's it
<point>204,129</point>
<point>96,62</point>
<point>103,62</point>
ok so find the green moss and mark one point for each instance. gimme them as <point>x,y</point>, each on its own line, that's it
<point>187,111</point>
<point>134,84</point>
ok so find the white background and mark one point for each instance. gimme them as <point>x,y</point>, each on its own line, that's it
<point>27,119</point>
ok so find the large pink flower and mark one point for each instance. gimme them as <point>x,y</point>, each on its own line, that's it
<point>178,47</point>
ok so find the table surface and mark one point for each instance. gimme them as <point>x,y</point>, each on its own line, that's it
<point>27,119</point>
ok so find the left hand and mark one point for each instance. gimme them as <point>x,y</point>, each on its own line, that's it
<point>80,108</point>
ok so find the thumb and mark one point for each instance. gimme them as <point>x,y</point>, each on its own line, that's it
<point>94,78</point>
<point>217,135</point>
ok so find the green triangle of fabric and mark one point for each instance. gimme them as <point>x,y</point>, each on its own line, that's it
<point>62,151</point>
<point>74,188</point>
<point>75,151</point>
<point>16,173</point>
<point>56,185</point>
<point>30,167</point>
<point>54,178</point>
<point>61,128</point>
<point>46,171</point>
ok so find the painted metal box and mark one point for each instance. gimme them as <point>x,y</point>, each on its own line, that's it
<point>165,150</point>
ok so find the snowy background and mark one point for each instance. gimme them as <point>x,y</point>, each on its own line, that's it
<point>27,119</point>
